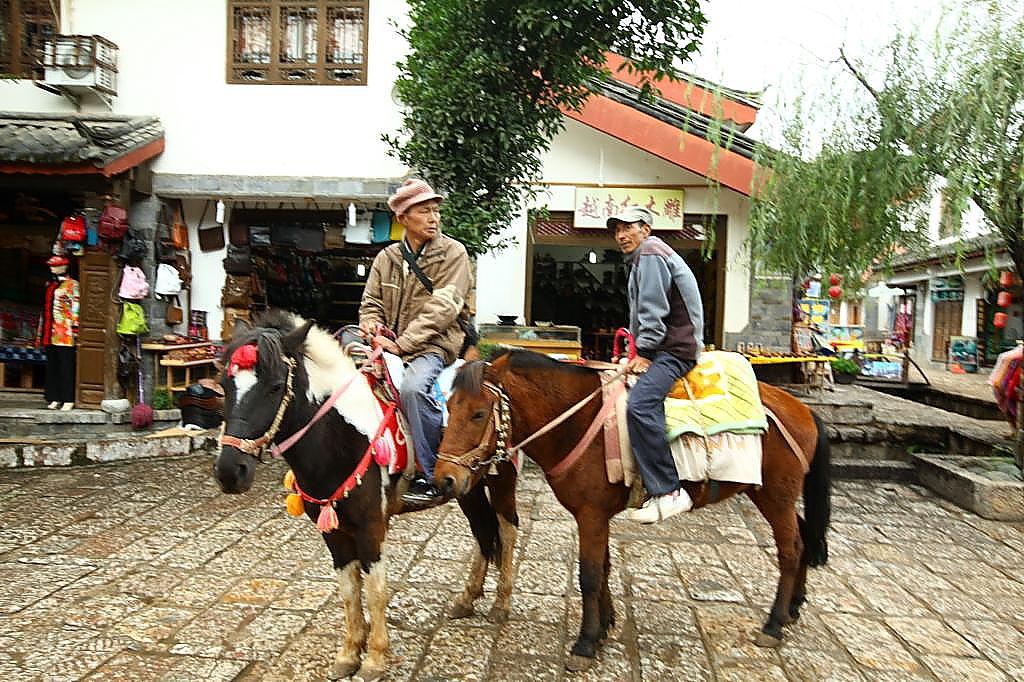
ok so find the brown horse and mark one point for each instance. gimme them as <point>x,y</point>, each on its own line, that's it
<point>294,366</point>
<point>528,391</point>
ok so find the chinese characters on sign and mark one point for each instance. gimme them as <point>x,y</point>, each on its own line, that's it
<point>594,205</point>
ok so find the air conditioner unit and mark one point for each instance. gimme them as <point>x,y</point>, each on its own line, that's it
<point>80,63</point>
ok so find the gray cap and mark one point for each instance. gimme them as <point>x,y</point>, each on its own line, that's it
<point>631,214</point>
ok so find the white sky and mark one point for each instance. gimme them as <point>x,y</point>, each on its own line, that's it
<point>785,47</point>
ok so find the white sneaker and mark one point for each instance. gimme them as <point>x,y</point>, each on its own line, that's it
<point>54,405</point>
<point>661,507</point>
<point>67,406</point>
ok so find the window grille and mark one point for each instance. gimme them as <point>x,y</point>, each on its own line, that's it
<point>283,42</point>
<point>25,25</point>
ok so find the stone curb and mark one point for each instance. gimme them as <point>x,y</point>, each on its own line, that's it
<point>121,447</point>
<point>990,499</point>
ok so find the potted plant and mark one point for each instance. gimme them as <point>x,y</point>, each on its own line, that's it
<point>844,370</point>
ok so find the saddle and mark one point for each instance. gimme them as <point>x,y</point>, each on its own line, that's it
<point>714,420</point>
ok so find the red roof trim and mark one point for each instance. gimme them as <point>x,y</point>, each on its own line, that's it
<point>117,166</point>
<point>667,142</point>
<point>689,95</point>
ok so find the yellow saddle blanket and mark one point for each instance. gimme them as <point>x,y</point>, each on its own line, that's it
<point>719,394</point>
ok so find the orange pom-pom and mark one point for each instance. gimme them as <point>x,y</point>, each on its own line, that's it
<point>295,505</point>
<point>289,480</point>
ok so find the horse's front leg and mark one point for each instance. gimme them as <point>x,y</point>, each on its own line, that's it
<point>350,588</point>
<point>593,530</point>
<point>378,647</point>
<point>503,497</point>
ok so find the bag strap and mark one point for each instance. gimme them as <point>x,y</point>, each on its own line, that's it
<point>414,266</point>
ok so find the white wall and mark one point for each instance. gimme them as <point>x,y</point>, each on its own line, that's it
<point>172,64</point>
<point>583,155</point>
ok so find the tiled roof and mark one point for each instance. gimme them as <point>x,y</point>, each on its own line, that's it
<point>943,253</point>
<point>55,139</point>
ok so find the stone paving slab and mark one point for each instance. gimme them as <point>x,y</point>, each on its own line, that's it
<point>143,570</point>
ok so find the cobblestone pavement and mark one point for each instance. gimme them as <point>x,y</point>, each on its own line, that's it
<point>144,571</point>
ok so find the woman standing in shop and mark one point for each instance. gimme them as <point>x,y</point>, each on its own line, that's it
<point>58,332</point>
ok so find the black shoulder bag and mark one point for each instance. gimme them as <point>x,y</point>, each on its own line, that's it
<point>464,325</point>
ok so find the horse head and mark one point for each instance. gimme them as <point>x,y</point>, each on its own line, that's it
<point>479,419</point>
<point>262,375</point>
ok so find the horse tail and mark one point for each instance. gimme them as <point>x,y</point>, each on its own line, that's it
<point>483,521</point>
<point>817,503</point>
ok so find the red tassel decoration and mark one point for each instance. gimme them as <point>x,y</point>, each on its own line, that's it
<point>328,519</point>
<point>384,448</point>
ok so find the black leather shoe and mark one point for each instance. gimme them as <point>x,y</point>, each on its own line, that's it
<point>422,493</point>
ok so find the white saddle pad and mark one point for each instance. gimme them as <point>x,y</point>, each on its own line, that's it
<point>442,385</point>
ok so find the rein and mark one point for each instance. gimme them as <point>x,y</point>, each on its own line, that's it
<point>503,451</point>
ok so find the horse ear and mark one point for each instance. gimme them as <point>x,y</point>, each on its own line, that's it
<point>495,371</point>
<point>293,340</point>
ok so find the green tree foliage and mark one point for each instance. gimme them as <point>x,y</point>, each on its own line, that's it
<point>949,105</point>
<point>485,82</point>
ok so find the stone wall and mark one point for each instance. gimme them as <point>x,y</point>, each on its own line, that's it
<point>771,315</point>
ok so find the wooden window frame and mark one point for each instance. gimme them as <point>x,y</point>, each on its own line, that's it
<point>274,67</point>
<point>13,60</point>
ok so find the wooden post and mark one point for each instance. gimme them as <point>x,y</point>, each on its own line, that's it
<point>1019,453</point>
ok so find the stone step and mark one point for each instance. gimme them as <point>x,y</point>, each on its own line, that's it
<point>15,423</point>
<point>116,446</point>
<point>851,468</point>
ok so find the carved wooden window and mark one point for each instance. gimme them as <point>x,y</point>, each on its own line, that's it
<point>24,26</point>
<point>289,42</point>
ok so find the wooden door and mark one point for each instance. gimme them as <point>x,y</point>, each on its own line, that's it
<point>948,319</point>
<point>97,335</point>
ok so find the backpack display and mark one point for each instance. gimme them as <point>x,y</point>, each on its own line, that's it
<point>72,228</point>
<point>134,286</point>
<point>113,223</point>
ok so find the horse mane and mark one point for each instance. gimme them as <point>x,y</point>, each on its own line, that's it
<point>325,361</point>
<point>471,376</point>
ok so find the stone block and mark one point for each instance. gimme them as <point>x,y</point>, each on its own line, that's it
<point>48,455</point>
<point>988,498</point>
<point>8,456</point>
<point>111,450</point>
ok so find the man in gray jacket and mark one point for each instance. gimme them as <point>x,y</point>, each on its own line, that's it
<point>666,318</point>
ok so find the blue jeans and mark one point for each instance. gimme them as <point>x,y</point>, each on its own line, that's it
<point>421,409</point>
<point>645,409</point>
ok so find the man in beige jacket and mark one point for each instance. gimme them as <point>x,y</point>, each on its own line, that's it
<point>417,289</point>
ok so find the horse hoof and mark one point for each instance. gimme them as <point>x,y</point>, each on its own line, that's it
<point>578,664</point>
<point>341,670</point>
<point>367,674</point>
<point>497,615</point>
<point>766,640</point>
<point>460,611</point>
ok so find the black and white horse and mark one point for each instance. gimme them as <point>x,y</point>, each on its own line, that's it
<point>286,369</point>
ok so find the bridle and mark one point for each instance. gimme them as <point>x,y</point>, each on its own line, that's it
<point>501,414</point>
<point>257,446</point>
<point>500,422</point>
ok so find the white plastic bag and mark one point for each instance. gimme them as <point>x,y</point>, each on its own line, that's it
<point>168,283</point>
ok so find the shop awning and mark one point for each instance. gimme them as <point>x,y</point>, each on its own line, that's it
<point>76,144</point>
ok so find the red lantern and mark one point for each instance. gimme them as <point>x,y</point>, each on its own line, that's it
<point>1006,278</point>
<point>1004,299</point>
<point>999,320</point>
<point>834,280</point>
<point>835,291</point>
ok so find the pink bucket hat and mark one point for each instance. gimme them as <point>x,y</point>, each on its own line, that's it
<point>413,191</point>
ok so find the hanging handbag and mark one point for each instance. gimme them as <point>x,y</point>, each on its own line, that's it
<point>113,223</point>
<point>165,250</point>
<point>184,269</point>
<point>133,250</point>
<point>174,315</point>
<point>168,283</point>
<point>179,229</point>
<point>211,238</point>
<point>238,261</point>
<point>238,232</point>
<point>134,286</point>
<point>237,291</point>
<point>133,320</point>
<point>72,228</point>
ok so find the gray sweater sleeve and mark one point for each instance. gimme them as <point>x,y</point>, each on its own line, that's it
<point>655,281</point>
